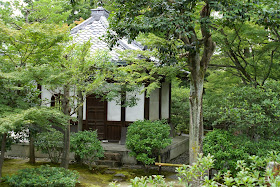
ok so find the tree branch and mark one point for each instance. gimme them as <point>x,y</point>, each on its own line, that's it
<point>222,66</point>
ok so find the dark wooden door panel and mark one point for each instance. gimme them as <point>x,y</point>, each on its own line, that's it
<point>114,130</point>
<point>96,115</point>
<point>96,119</point>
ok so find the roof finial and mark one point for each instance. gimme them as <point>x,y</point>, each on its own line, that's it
<point>100,3</point>
<point>98,12</point>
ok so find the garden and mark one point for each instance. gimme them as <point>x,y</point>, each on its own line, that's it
<point>220,59</point>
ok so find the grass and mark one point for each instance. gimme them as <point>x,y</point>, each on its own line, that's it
<point>88,178</point>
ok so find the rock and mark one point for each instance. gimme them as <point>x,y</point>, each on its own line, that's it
<point>118,180</point>
<point>109,172</point>
<point>120,175</point>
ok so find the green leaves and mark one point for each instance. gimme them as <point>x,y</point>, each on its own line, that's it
<point>85,145</point>
<point>50,143</point>
<point>146,139</point>
<point>251,111</point>
<point>44,176</point>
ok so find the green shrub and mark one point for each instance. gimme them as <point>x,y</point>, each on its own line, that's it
<point>180,107</point>
<point>87,147</point>
<point>43,176</point>
<point>197,175</point>
<point>246,174</point>
<point>146,139</point>
<point>228,148</point>
<point>247,110</point>
<point>50,143</point>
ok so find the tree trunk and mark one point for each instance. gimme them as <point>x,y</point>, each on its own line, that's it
<point>31,149</point>
<point>80,111</point>
<point>196,117</point>
<point>66,143</point>
<point>3,149</point>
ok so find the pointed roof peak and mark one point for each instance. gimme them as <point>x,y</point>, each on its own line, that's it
<point>98,12</point>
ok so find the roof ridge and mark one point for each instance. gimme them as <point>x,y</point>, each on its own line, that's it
<point>81,25</point>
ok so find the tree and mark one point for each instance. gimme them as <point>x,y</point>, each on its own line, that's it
<point>41,117</point>
<point>26,50</point>
<point>185,25</point>
<point>185,39</point>
<point>45,11</point>
<point>247,50</point>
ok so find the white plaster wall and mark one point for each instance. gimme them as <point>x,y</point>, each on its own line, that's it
<point>113,111</point>
<point>84,109</point>
<point>136,112</point>
<point>165,100</point>
<point>154,105</point>
<point>46,97</point>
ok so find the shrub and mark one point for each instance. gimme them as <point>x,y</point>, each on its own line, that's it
<point>180,107</point>
<point>87,147</point>
<point>247,174</point>
<point>228,148</point>
<point>154,180</point>
<point>247,110</point>
<point>43,176</point>
<point>50,143</point>
<point>145,139</point>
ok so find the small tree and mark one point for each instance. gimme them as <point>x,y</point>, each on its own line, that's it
<point>146,139</point>
<point>87,147</point>
<point>50,143</point>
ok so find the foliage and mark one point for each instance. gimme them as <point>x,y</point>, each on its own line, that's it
<point>44,176</point>
<point>146,139</point>
<point>180,107</point>
<point>9,141</point>
<point>252,174</point>
<point>85,145</point>
<point>197,171</point>
<point>42,117</point>
<point>144,181</point>
<point>247,110</point>
<point>247,174</point>
<point>248,51</point>
<point>228,149</point>
<point>44,11</point>
<point>50,143</point>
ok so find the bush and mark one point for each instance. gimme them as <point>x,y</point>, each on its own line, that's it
<point>247,110</point>
<point>146,139</point>
<point>43,176</point>
<point>180,107</point>
<point>247,174</point>
<point>87,147</point>
<point>50,143</point>
<point>197,175</point>
<point>228,148</point>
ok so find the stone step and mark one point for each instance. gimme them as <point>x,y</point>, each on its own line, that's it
<point>109,163</point>
<point>112,156</point>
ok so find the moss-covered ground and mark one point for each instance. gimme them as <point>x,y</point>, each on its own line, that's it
<point>95,178</point>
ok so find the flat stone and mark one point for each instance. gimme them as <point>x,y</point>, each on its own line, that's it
<point>109,172</point>
<point>109,163</point>
<point>118,180</point>
<point>120,175</point>
<point>112,156</point>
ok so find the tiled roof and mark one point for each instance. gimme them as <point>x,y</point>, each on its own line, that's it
<point>95,28</point>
